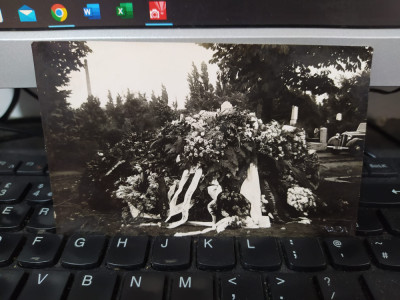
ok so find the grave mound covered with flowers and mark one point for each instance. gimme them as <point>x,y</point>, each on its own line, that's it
<point>222,169</point>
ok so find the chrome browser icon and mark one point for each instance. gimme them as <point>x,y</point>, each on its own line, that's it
<point>59,12</point>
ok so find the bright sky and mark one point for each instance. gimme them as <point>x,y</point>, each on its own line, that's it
<point>141,67</point>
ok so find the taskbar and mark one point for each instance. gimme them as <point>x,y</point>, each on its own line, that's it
<point>74,14</point>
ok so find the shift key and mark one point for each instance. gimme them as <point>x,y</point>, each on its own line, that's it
<point>380,194</point>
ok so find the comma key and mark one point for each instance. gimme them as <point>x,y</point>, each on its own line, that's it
<point>45,285</point>
<point>241,286</point>
<point>192,286</point>
<point>143,286</point>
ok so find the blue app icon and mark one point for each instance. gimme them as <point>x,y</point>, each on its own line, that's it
<point>26,14</point>
<point>92,11</point>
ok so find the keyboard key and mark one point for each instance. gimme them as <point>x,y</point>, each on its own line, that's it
<point>10,283</point>
<point>39,193</point>
<point>347,253</point>
<point>9,244</point>
<point>392,220</point>
<point>98,285</point>
<point>40,251</point>
<point>259,253</point>
<point>12,192</point>
<point>199,286</point>
<point>12,216</point>
<point>377,168</point>
<point>171,253</point>
<point>42,219</point>
<point>127,252</point>
<point>215,253</point>
<point>291,287</point>
<point>83,251</point>
<point>143,286</point>
<point>8,167</point>
<point>241,286</point>
<point>386,252</point>
<point>338,286</point>
<point>380,194</point>
<point>368,222</point>
<point>32,167</point>
<point>45,285</point>
<point>304,254</point>
<point>383,286</point>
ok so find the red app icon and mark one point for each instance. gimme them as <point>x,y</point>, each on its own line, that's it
<point>158,10</point>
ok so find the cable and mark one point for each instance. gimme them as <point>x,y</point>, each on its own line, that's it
<point>383,92</point>
<point>33,94</point>
<point>12,105</point>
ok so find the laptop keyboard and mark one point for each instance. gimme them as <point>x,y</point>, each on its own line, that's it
<point>36,263</point>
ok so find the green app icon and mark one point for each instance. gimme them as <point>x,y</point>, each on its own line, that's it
<point>125,10</point>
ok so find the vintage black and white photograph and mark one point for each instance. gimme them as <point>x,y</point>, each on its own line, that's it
<point>204,138</point>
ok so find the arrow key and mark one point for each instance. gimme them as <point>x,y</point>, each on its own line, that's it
<point>241,286</point>
<point>291,287</point>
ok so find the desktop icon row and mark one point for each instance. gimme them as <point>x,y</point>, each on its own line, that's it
<point>157,11</point>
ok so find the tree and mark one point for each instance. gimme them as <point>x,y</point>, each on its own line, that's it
<point>164,94</point>
<point>92,120</point>
<point>201,96</point>
<point>159,109</point>
<point>54,63</point>
<point>266,72</point>
<point>351,102</point>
